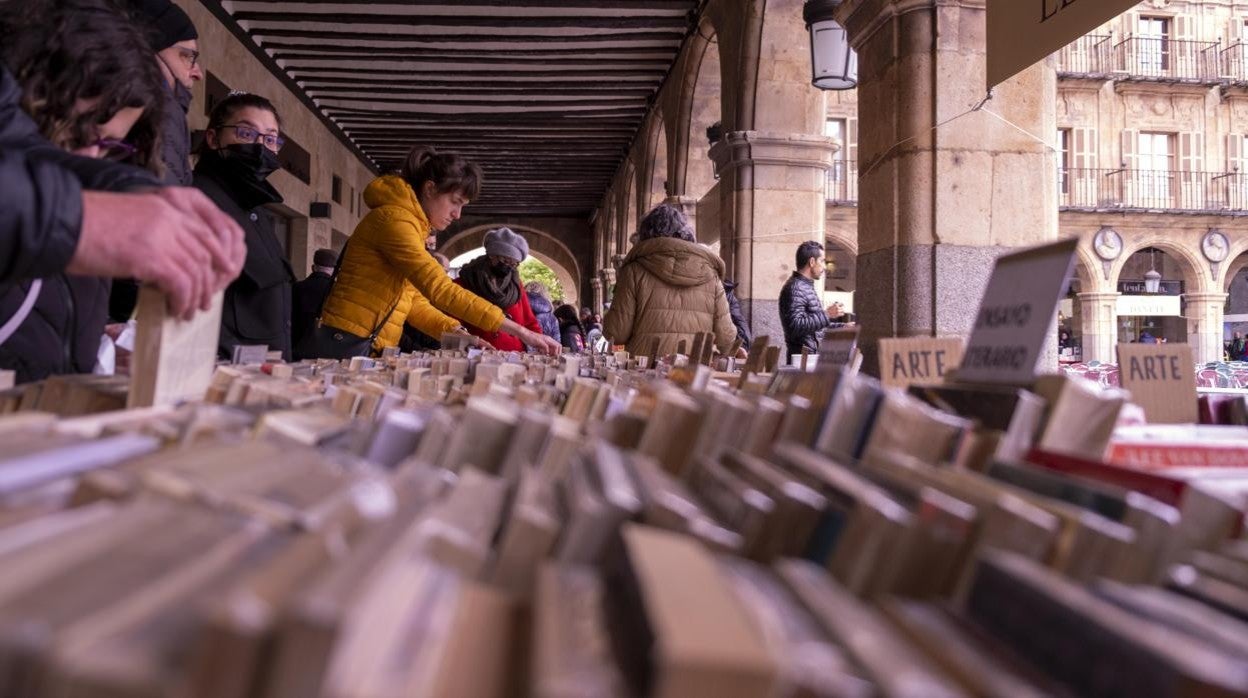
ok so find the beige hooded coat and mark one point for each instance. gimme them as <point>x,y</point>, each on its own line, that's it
<point>670,289</point>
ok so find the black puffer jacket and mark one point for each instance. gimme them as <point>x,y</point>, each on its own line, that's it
<point>802,315</point>
<point>257,306</point>
<point>40,222</point>
<point>738,317</point>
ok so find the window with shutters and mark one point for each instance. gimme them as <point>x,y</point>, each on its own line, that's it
<point>1064,162</point>
<point>1155,158</point>
<point>835,129</point>
<point>1191,171</point>
<point>1153,45</point>
<point>843,176</point>
<point>1235,178</point>
<point>1085,178</point>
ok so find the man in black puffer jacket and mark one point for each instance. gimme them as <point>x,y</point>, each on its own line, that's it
<point>801,313</point>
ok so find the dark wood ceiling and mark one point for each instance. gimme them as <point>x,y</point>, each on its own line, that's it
<point>546,95</point>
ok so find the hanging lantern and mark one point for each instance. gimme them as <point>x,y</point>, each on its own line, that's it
<point>834,65</point>
<point>1152,281</point>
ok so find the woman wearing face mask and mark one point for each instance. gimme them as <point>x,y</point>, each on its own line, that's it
<point>493,276</point>
<point>385,267</point>
<point>240,152</point>
<point>92,90</point>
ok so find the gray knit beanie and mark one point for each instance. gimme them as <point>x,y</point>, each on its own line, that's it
<point>504,242</point>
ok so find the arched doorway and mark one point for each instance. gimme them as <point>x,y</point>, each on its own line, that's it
<point>1152,282</point>
<point>705,111</point>
<point>1236,288</point>
<point>657,186</point>
<point>543,246</point>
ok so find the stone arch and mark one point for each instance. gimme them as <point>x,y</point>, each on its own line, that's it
<point>544,246</point>
<point>1194,281</point>
<point>654,184</point>
<point>630,209</point>
<point>1088,272</point>
<point>704,90</point>
<point>1236,262</point>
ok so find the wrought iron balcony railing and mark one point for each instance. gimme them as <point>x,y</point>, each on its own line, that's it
<point>1156,58</point>
<point>842,184</point>
<point>1160,190</point>
<point>1234,63</point>
<point>1149,58</point>
<point>1088,56</point>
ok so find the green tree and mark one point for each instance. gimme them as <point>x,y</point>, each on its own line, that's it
<point>532,269</point>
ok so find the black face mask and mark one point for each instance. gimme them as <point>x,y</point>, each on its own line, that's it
<point>500,270</point>
<point>250,160</point>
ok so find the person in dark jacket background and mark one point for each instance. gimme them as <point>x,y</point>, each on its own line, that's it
<point>56,322</point>
<point>571,332</point>
<point>738,317</point>
<point>539,301</point>
<point>309,295</point>
<point>801,313</point>
<point>63,213</point>
<point>240,152</point>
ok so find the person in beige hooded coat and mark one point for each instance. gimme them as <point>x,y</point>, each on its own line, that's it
<point>669,287</point>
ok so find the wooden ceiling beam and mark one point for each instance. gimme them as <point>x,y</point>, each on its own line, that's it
<point>416,19</point>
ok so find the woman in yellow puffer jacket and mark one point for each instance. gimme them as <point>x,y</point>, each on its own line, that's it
<point>386,268</point>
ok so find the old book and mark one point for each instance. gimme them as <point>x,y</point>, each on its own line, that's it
<point>458,531</point>
<point>527,443</point>
<point>481,436</point>
<point>668,436</point>
<point>481,655</point>
<point>1015,414</point>
<point>1179,613</point>
<point>599,495</point>
<point>724,426</point>
<point>741,507</point>
<point>1080,418</point>
<point>811,665</point>
<point>1227,597</point>
<point>309,427</point>
<point>396,436</point>
<point>890,662</point>
<point>173,359</point>
<point>38,460</point>
<point>904,424</point>
<point>799,507</point>
<point>981,668</point>
<point>698,648</point>
<point>533,527</point>
<point>764,426</point>
<point>851,413</point>
<point>1037,612</point>
<point>565,439</point>
<point>571,654</point>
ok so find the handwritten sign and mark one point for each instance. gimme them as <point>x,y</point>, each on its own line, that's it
<point>838,347</point>
<point>1162,380</point>
<point>1016,313</point>
<point>1023,32</point>
<point>917,360</point>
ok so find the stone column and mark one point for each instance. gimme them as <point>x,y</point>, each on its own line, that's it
<point>936,207</point>
<point>595,285</point>
<point>771,200</point>
<point>1099,326</point>
<point>1204,324</point>
<point>607,279</point>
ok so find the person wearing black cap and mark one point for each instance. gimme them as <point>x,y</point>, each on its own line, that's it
<point>309,295</point>
<point>176,42</point>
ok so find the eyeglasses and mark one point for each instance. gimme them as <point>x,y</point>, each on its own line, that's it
<point>251,135</point>
<point>190,55</point>
<point>499,259</point>
<point>115,149</point>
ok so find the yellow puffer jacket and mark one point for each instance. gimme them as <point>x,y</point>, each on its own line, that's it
<point>386,265</point>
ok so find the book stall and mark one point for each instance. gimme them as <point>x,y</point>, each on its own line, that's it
<point>467,523</point>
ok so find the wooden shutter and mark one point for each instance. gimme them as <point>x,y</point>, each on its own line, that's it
<point>1085,179</point>
<point>851,158</point>
<point>1184,59</point>
<point>1124,184</point>
<point>1237,182</point>
<point>1191,170</point>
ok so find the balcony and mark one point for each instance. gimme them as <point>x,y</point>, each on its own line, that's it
<point>1100,57</point>
<point>1087,57</point>
<point>1167,60</point>
<point>842,184</point>
<point>1234,63</point>
<point>1153,190</point>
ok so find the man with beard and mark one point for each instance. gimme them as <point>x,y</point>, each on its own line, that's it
<point>495,278</point>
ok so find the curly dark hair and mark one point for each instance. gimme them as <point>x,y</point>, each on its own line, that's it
<point>65,53</point>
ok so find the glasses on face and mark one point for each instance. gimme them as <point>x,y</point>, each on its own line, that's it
<point>114,149</point>
<point>189,55</point>
<point>247,134</point>
<point>504,260</point>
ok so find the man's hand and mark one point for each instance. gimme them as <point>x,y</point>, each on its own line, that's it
<point>834,311</point>
<point>174,238</point>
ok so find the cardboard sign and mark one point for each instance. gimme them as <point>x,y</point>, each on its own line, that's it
<point>838,347</point>
<point>252,354</point>
<point>1023,32</point>
<point>910,361</point>
<point>1162,380</point>
<point>1016,314</point>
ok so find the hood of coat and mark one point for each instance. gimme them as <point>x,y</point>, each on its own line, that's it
<point>677,262</point>
<point>392,190</point>
<point>539,304</point>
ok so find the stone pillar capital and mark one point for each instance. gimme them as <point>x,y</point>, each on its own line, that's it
<point>738,148</point>
<point>596,284</point>
<point>863,18</point>
<point>1093,297</point>
<point>607,276</point>
<point>1218,299</point>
